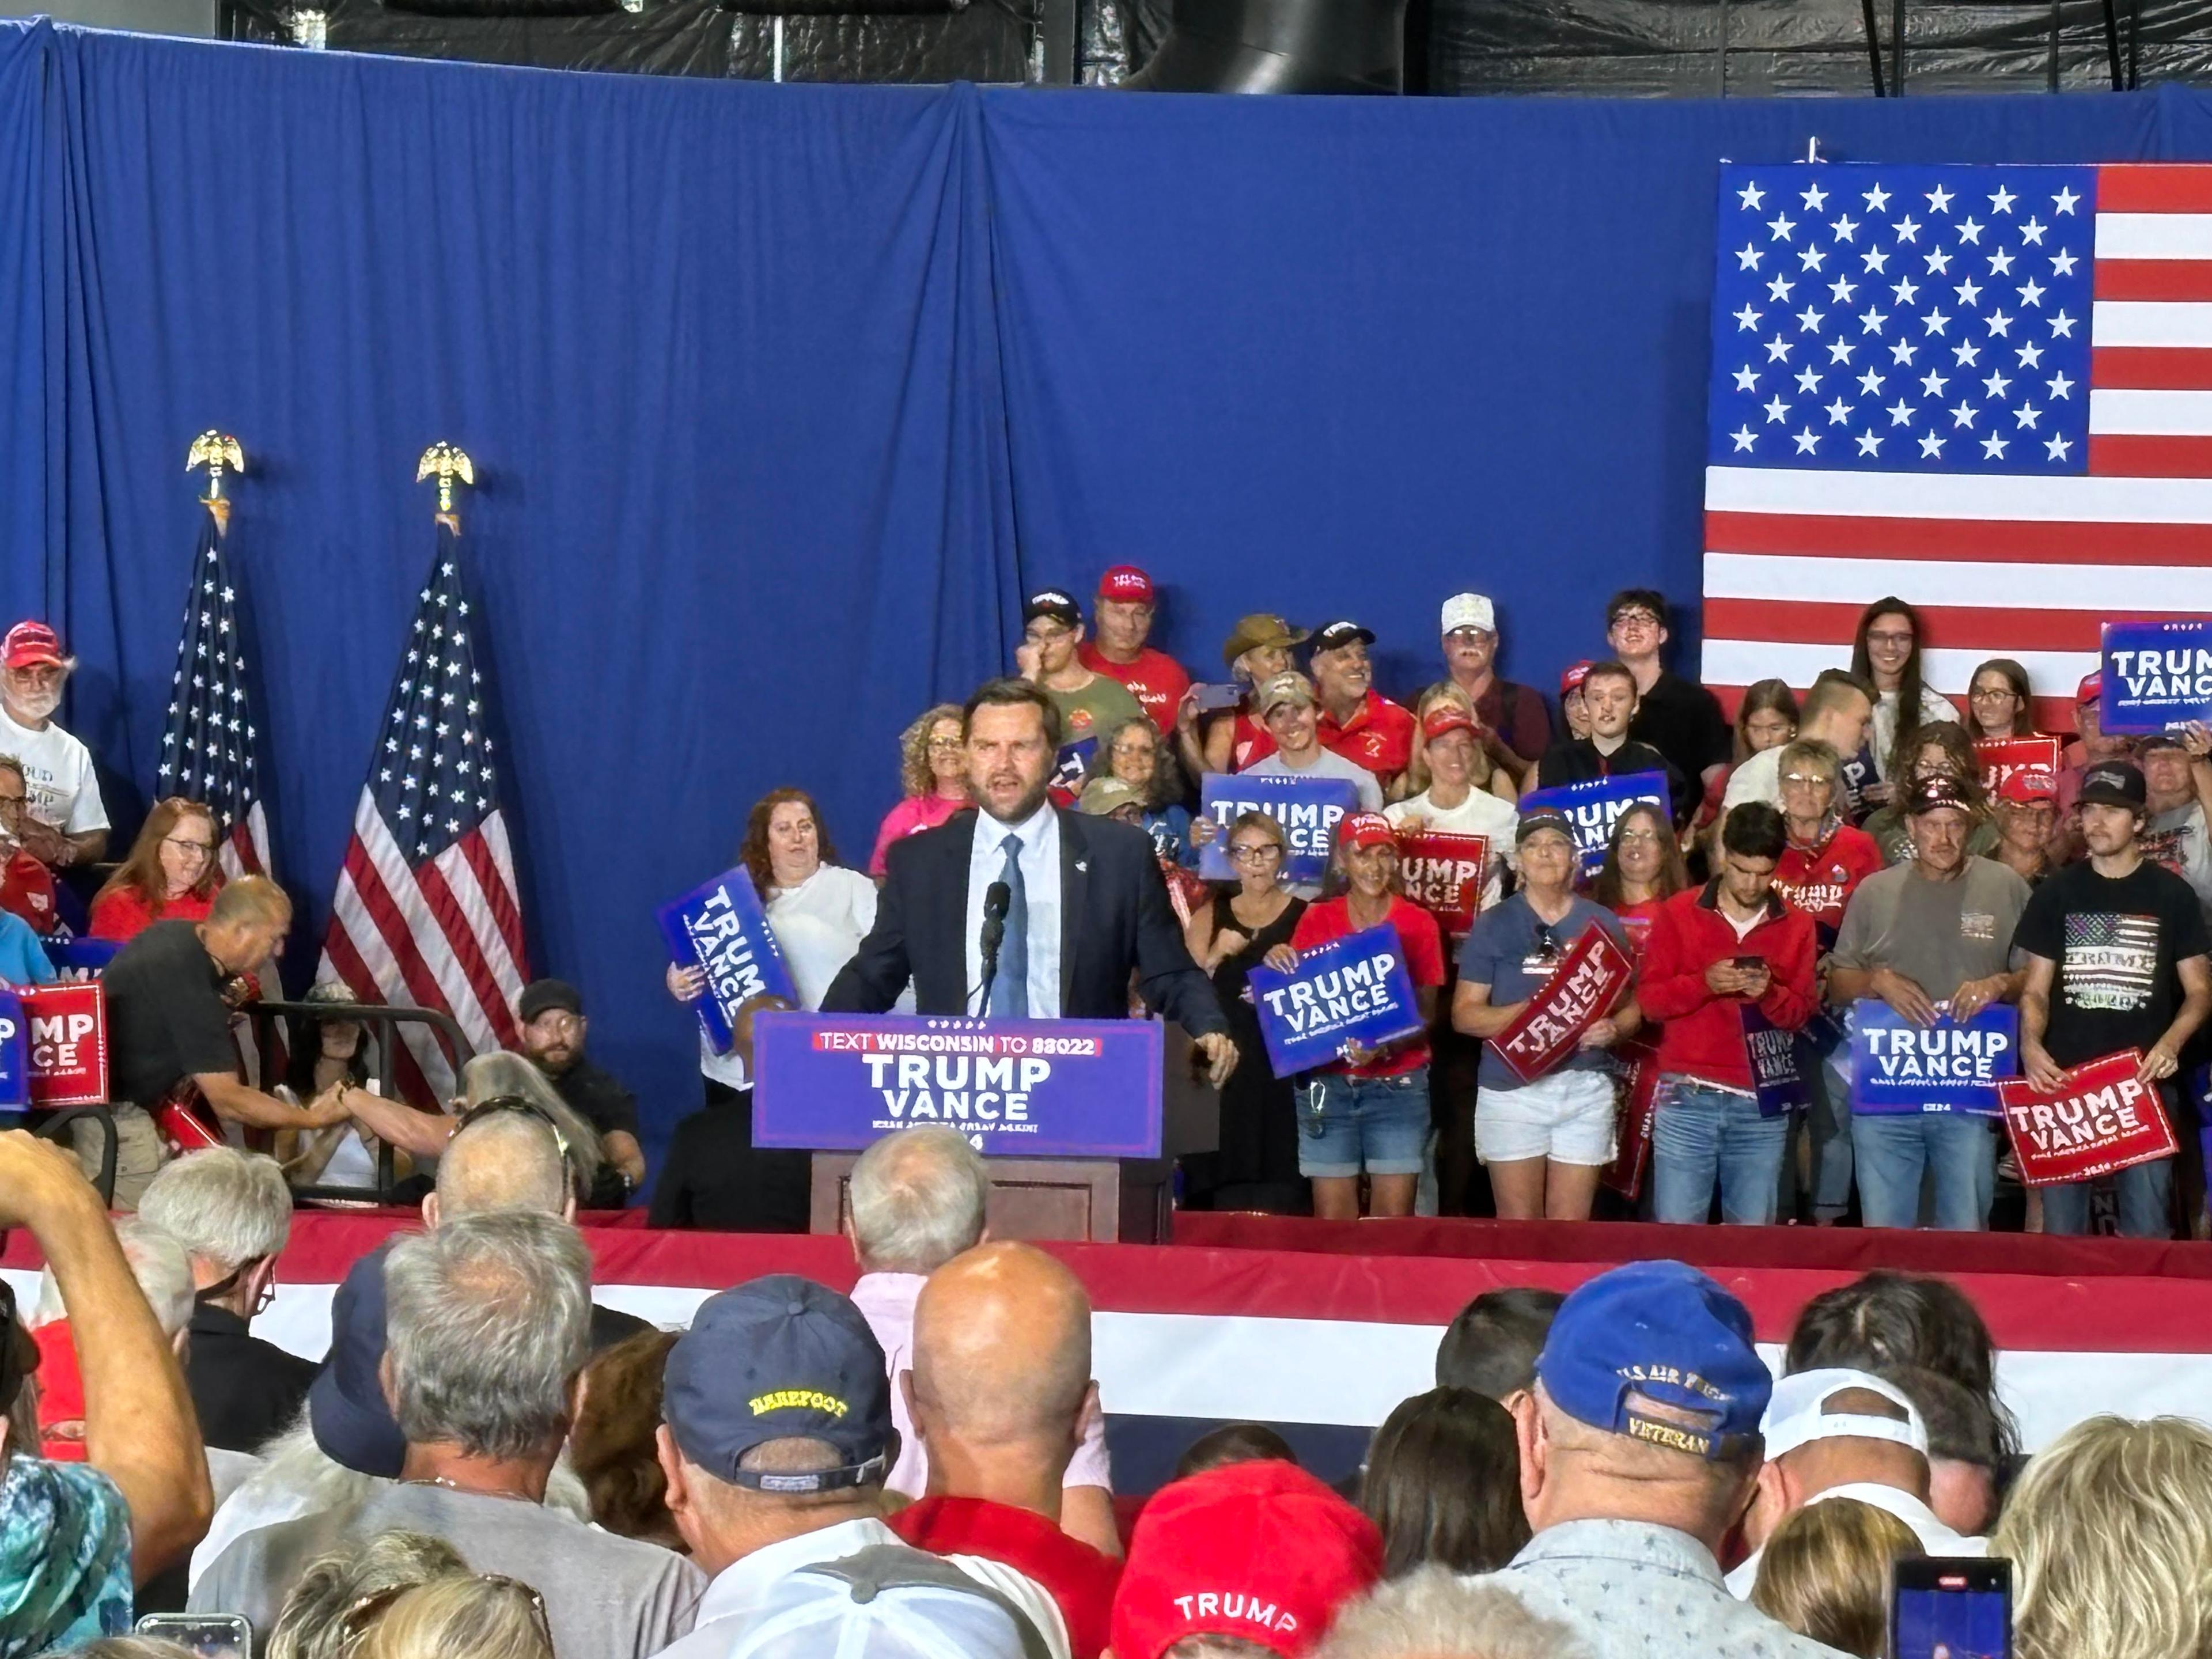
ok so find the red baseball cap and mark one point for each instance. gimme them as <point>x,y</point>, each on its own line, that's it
<point>1366,830</point>
<point>33,645</point>
<point>2091,689</point>
<point>1126,584</point>
<point>1261,1551</point>
<point>1449,717</point>
<point>1573,679</point>
<point>2028,786</point>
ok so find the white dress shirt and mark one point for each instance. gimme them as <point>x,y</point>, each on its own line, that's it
<point>1935,1538</point>
<point>1040,866</point>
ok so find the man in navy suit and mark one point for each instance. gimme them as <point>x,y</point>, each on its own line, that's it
<point>1085,906</point>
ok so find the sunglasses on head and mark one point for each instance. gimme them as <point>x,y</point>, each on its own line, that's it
<point>528,1108</point>
<point>357,1620</point>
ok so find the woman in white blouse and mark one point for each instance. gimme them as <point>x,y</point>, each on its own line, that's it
<point>819,911</point>
<point>1887,652</point>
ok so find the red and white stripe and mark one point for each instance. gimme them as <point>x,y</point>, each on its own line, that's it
<point>2021,567</point>
<point>444,935</point>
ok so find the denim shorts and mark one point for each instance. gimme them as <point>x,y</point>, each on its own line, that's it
<point>1380,1124</point>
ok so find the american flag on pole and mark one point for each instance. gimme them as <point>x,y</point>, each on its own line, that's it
<point>427,913</point>
<point>211,746</point>
<point>1985,390</point>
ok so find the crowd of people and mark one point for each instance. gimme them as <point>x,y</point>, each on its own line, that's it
<point>1834,850</point>
<point>486,1465</point>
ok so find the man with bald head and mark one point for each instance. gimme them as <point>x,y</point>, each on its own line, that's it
<point>507,1160</point>
<point>916,1201</point>
<point>999,1390</point>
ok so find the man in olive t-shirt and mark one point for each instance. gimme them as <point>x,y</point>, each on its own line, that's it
<point>1937,928</point>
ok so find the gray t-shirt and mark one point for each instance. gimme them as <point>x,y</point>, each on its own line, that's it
<point>605,1597</point>
<point>1327,764</point>
<point>1938,934</point>
<point>1514,952</point>
<point>2177,839</point>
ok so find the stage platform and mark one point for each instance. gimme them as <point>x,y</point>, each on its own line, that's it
<point>1319,1327</point>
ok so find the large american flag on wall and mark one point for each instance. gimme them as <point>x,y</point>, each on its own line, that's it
<point>1986,390</point>
<point>427,913</point>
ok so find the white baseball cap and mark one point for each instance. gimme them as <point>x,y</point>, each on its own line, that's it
<point>1469,610</point>
<point>812,1615</point>
<point>1798,1412</point>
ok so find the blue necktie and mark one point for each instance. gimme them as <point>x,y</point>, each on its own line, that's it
<point>1010,991</point>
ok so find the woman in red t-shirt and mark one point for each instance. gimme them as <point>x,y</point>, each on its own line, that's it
<point>172,873</point>
<point>1642,870</point>
<point>1827,859</point>
<point>1368,1110</point>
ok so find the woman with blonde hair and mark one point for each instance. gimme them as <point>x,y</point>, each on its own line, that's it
<point>487,1617</point>
<point>1825,1574</point>
<point>933,772</point>
<point>2110,1535</point>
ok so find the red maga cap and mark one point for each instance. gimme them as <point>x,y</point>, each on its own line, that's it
<point>32,645</point>
<point>1260,1551</point>
<point>1126,584</point>
<point>2028,786</point>
<point>1367,830</point>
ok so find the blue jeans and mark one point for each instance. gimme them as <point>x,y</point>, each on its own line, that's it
<point>1379,1123</point>
<point>1700,1135</point>
<point>1894,1150</point>
<point>2146,1195</point>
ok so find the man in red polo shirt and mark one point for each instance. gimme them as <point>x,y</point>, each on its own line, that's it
<point>1357,721</point>
<point>999,1390</point>
<point>1120,621</point>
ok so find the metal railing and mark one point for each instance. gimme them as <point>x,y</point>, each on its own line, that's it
<point>387,1023</point>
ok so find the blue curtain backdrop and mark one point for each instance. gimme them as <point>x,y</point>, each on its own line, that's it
<point>780,395</point>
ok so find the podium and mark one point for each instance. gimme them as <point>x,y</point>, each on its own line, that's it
<point>1080,1121</point>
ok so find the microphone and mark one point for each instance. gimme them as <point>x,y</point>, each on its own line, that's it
<point>996,897</point>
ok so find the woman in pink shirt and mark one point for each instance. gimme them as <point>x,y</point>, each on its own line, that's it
<point>934,767</point>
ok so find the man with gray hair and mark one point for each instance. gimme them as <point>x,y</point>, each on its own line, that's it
<point>1432,1615</point>
<point>233,1213</point>
<point>916,1200</point>
<point>512,1159</point>
<point>1639,1448</point>
<point>486,1321</point>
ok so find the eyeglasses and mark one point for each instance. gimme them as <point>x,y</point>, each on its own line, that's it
<point>357,1620</point>
<point>1254,852</point>
<point>262,1302</point>
<point>1635,619</point>
<point>1647,837</point>
<point>183,843</point>
<point>1547,942</point>
<point>1806,780</point>
<point>1991,693</point>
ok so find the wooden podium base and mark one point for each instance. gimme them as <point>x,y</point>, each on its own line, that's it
<point>1074,1200</point>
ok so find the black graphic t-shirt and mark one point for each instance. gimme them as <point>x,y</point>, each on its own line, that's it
<point>2116,941</point>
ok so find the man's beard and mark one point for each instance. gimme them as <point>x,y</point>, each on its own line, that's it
<point>35,705</point>
<point>1028,803</point>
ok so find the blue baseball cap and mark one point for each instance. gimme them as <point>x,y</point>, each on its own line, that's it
<point>1658,1333</point>
<point>780,1359</point>
<point>346,1408</point>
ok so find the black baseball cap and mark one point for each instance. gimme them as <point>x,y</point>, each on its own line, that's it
<point>346,1408</point>
<point>2160,740</point>
<point>1335,635</point>
<point>1053,602</point>
<point>543,996</point>
<point>1934,792</point>
<point>2113,783</point>
<point>780,1359</point>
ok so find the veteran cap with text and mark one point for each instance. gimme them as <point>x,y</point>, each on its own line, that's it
<point>780,1359</point>
<point>1659,1353</point>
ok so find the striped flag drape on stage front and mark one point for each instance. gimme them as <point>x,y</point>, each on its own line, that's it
<point>427,913</point>
<point>1986,390</point>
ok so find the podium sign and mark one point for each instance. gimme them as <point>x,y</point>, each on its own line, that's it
<point>1018,1088</point>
